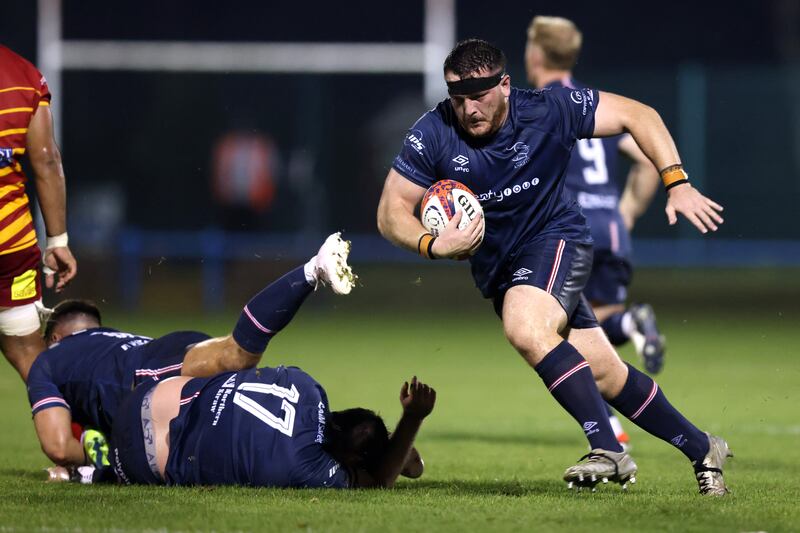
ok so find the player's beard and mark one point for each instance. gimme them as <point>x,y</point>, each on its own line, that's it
<point>494,123</point>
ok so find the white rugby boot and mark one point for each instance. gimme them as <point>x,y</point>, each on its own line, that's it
<point>709,471</point>
<point>601,466</point>
<point>330,265</point>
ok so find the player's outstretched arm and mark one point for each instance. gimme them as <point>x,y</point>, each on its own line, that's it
<point>616,114</point>
<point>641,185</point>
<point>54,429</point>
<point>45,159</point>
<point>398,224</point>
<point>417,400</point>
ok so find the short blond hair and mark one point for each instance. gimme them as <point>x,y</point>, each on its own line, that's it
<point>559,39</point>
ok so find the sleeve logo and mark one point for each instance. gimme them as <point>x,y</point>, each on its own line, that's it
<point>414,140</point>
<point>583,97</point>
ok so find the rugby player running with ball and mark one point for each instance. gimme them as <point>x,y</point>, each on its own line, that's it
<point>536,255</point>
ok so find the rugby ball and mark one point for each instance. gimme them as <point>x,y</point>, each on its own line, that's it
<point>443,200</point>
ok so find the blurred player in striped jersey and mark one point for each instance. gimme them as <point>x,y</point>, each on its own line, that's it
<point>552,51</point>
<point>26,128</point>
<point>550,55</point>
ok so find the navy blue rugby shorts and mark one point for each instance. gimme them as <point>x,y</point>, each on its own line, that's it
<point>609,280</point>
<point>558,266</point>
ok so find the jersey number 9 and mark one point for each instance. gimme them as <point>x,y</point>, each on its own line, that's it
<point>593,152</point>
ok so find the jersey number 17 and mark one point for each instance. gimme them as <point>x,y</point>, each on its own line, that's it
<point>290,398</point>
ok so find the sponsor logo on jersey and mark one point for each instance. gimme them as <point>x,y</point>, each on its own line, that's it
<point>521,274</point>
<point>320,438</point>
<point>461,162</point>
<point>115,334</point>
<point>597,201</point>
<point>414,140</point>
<point>521,153</point>
<point>24,286</point>
<point>117,466</point>
<point>590,428</point>
<point>583,98</point>
<point>136,340</point>
<point>501,195</point>
<point>6,156</point>
<point>221,400</point>
<point>404,165</point>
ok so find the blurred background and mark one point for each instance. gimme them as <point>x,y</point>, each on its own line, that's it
<point>209,147</point>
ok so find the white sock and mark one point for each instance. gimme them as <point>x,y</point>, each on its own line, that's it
<point>627,324</point>
<point>310,270</point>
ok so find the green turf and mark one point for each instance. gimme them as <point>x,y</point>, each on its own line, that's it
<point>495,447</point>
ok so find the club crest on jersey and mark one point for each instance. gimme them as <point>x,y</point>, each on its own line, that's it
<point>461,162</point>
<point>521,151</point>
<point>6,155</point>
<point>414,140</point>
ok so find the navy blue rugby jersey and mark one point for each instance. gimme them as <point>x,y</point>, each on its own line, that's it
<point>517,173</point>
<point>259,427</point>
<point>591,180</point>
<point>88,372</point>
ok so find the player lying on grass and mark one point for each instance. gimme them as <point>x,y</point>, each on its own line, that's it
<point>536,255</point>
<point>266,427</point>
<point>87,369</point>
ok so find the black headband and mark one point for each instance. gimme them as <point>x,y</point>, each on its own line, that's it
<point>474,85</point>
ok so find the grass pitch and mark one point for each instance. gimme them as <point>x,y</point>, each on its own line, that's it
<point>495,448</point>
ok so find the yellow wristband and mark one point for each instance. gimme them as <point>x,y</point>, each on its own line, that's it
<point>425,244</point>
<point>673,175</point>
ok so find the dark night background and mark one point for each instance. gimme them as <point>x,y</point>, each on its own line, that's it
<point>148,137</point>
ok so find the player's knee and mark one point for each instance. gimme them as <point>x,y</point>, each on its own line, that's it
<point>610,376</point>
<point>532,343</point>
<point>56,452</point>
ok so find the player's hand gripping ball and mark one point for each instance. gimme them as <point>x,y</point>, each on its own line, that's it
<point>443,200</point>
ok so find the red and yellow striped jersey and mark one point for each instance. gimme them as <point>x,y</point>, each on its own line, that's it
<point>22,90</point>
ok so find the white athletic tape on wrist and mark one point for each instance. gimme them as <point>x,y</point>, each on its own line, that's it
<point>21,321</point>
<point>57,241</point>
